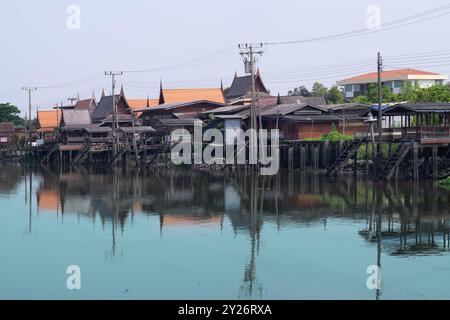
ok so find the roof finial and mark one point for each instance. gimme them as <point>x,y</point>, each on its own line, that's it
<point>122,92</point>
<point>103,93</point>
<point>161,95</point>
<point>235,74</point>
<point>78,96</point>
<point>93,95</point>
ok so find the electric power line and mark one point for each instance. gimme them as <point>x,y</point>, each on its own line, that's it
<point>386,26</point>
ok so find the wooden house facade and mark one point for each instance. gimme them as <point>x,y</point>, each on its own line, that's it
<point>183,110</point>
<point>7,131</point>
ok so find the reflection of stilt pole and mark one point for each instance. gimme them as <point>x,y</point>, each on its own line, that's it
<point>249,280</point>
<point>378,205</point>
<point>30,201</point>
<point>277,188</point>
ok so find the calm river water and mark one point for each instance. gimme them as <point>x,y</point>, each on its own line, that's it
<point>189,235</point>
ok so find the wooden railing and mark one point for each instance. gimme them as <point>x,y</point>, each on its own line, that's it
<point>388,133</point>
<point>76,140</point>
<point>101,140</point>
<point>434,135</point>
<point>428,135</point>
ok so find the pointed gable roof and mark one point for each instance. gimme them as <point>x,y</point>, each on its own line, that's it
<point>242,87</point>
<point>187,95</point>
<point>105,107</point>
<point>49,120</point>
<point>76,118</point>
<point>86,104</point>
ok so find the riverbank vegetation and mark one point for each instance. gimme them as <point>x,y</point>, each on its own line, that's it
<point>445,183</point>
<point>436,93</point>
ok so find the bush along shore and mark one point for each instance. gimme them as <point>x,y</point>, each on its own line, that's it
<point>445,183</point>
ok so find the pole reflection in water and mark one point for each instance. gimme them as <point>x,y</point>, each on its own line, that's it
<point>236,236</point>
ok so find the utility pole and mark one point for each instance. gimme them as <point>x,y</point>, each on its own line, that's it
<point>29,90</point>
<point>248,52</point>
<point>113,75</point>
<point>380,113</point>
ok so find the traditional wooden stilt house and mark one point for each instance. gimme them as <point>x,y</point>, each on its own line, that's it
<point>297,121</point>
<point>73,125</point>
<point>167,117</point>
<point>182,110</point>
<point>103,113</point>
<point>350,113</point>
<point>165,127</point>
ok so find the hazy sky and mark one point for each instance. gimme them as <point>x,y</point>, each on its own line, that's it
<point>38,49</point>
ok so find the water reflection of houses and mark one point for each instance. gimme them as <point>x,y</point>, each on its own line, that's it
<point>110,196</point>
<point>415,221</point>
<point>400,219</point>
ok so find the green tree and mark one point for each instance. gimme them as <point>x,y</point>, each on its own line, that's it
<point>319,90</point>
<point>10,113</point>
<point>407,92</point>
<point>386,94</point>
<point>362,99</point>
<point>334,95</point>
<point>436,93</point>
<point>300,91</point>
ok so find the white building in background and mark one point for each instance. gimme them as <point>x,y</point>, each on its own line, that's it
<point>394,79</point>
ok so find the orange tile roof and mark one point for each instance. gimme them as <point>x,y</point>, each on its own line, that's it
<point>391,74</point>
<point>187,95</point>
<point>48,200</point>
<point>49,119</point>
<point>142,103</point>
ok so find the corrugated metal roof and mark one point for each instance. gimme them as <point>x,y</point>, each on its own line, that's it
<point>178,122</point>
<point>137,129</point>
<point>419,108</point>
<point>227,110</point>
<point>97,129</point>
<point>311,117</point>
<point>171,106</point>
